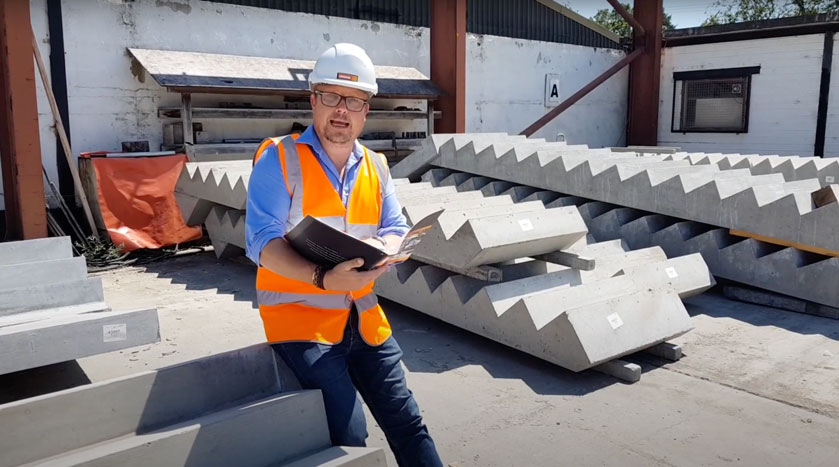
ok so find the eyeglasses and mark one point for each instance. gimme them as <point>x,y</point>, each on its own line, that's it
<point>330,99</point>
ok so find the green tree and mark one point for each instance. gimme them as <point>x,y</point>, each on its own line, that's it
<point>736,11</point>
<point>611,20</point>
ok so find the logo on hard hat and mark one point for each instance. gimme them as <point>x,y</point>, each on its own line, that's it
<point>347,77</point>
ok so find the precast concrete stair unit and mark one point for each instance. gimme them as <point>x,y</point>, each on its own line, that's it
<point>577,319</point>
<point>791,167</point>
<point>52,312</point>
<point>789,271</point>
<point>764,204</point>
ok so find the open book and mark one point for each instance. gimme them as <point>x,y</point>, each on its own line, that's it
<point>325,245</point>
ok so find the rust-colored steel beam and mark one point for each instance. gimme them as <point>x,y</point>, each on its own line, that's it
<point>636,26</point>
<point>538,124</point>
<point>20,145</point>
<point>448,62</point>
<point>645,75</point>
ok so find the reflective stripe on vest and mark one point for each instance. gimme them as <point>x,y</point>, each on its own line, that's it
<point>292,310</point>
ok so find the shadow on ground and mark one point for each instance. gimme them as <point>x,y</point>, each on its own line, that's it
<point>429,345</point>
<point>203,271</point>
<point>433,346</point>
<point>42,380</point>
<point>716,306</point>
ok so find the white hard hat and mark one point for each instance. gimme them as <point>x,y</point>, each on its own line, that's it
<point>345,65</point>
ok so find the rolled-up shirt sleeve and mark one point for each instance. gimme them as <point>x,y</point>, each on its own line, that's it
<point>393,222</point>
<point>268,204</point>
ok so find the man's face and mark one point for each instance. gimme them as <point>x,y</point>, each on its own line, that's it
<point>338,125</point>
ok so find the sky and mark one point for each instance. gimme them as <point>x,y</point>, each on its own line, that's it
<point>685,13</point>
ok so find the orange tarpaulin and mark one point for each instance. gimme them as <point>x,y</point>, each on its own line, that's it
<point>137,200</point>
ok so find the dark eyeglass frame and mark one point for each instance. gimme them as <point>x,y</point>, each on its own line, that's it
<point>347,100</point>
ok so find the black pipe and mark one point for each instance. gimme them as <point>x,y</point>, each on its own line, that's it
<point>824,94</point>
<point>58,76</point>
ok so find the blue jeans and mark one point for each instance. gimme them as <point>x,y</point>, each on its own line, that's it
<point>341,369</point>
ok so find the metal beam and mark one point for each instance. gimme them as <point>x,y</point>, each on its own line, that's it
<point>20,145</point>
<point>638,30</point>
<point>645,75</point>
<point>448,62</point>
<point>538,124</point>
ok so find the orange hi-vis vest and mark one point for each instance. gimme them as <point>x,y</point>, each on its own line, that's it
<point>292,310</point>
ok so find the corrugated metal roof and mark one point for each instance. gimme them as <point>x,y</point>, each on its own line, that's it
<point>203,72</point>
<point>522,19</point>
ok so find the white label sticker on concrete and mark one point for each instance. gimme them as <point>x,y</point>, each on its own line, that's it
<point>114,332</point>
<point>525,224</point>
<point>671,273</point>
<point>829,179</point>
<point>615,320</point>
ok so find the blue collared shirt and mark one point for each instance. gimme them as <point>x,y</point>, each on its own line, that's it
<point>269,201</point>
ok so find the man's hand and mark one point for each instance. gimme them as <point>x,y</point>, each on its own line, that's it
<point>346,277</point>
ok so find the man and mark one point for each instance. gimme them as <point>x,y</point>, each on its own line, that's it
<point>327,324</point>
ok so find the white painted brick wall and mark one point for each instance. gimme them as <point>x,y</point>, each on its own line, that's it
<point>784,96</point>
<point>505,89</point>
<point>107,103</point>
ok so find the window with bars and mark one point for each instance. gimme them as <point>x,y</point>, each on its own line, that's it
<point>712,101</point>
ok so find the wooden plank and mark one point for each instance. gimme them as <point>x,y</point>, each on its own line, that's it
<point>566,258</point>
<point>665,350</point>
<point>777,241</point>
<point>209,112</point>
<point>825,196</point>
<point>186,111</point>
<point>65,142</point>
<point>624,371</point>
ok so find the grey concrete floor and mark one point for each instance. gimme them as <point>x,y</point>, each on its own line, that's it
<point>756,387</point>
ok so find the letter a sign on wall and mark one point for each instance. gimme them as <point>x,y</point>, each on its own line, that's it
<point>552,90</point>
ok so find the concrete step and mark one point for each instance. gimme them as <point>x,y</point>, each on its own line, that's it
<point>70,337</point>
<point>264,432</point>
<point>52,271</point>
<point>791,167</point>
<point>41,249</point>
<point>343,456</point>
<point>85,294</point>
<point>141,403</point>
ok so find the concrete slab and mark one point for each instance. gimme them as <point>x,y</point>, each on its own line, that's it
<point>343,457</point>
<point>41,249</point>
<point>64,338</point>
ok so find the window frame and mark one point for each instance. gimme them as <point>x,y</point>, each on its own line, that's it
<point>719,73</point>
